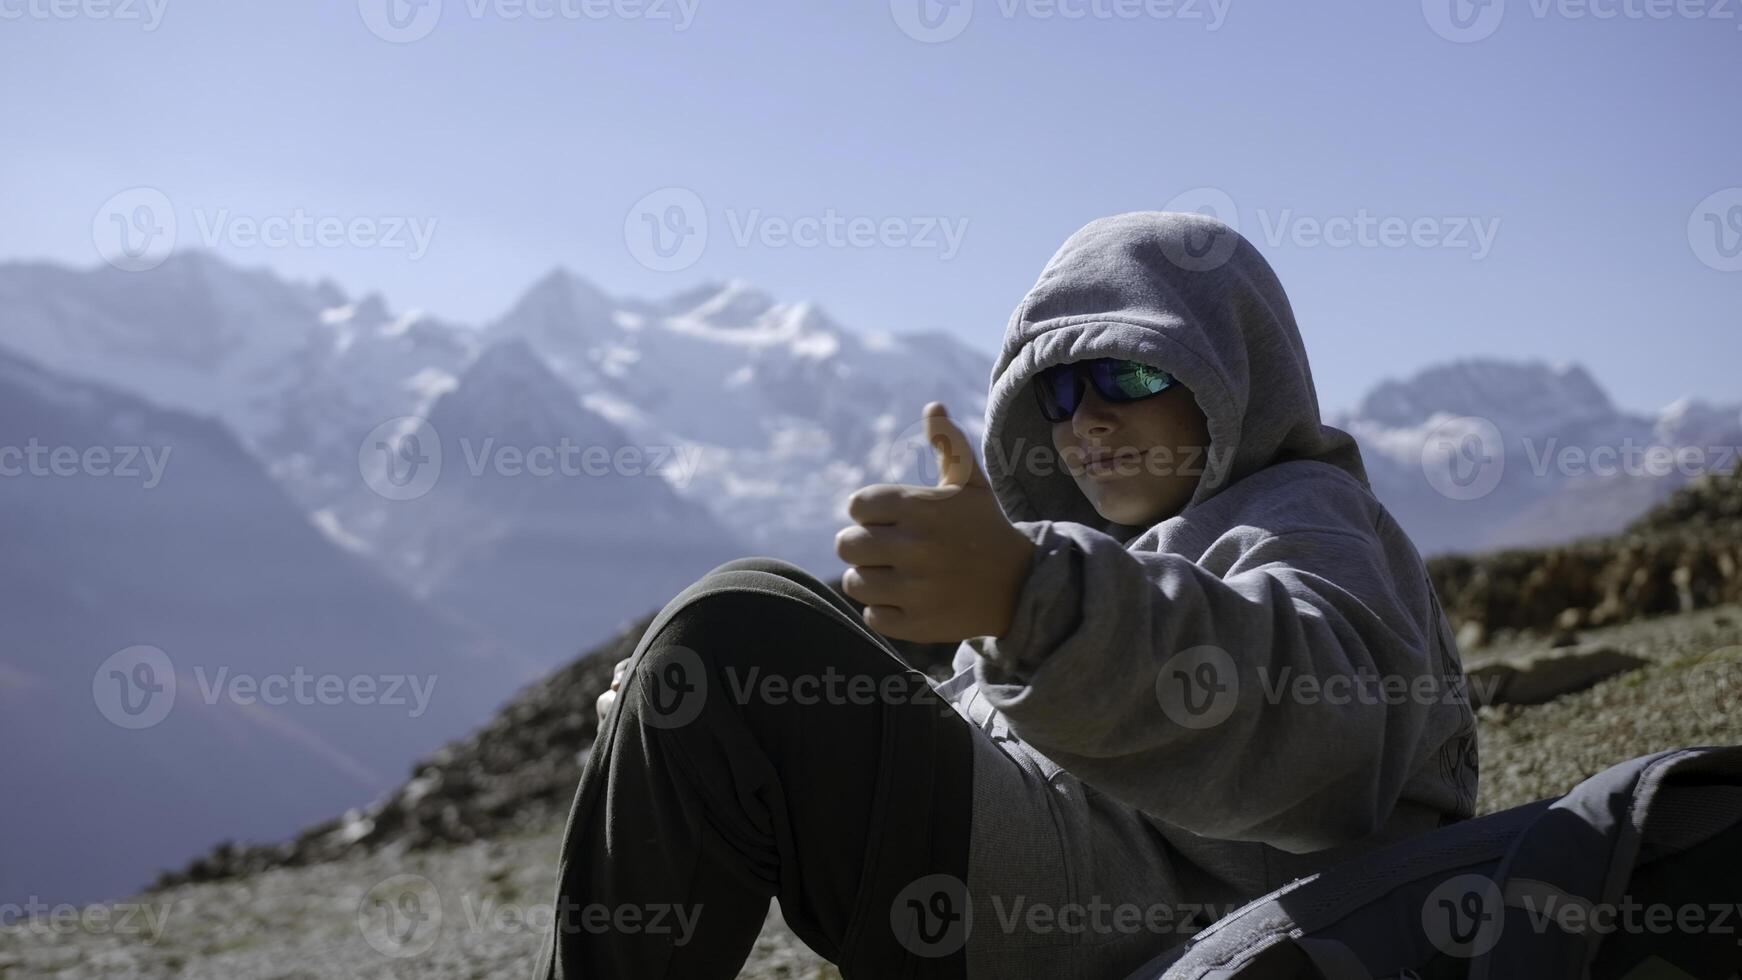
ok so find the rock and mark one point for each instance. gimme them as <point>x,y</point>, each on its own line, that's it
<point>1544,675</point>
<point>1470,635</point>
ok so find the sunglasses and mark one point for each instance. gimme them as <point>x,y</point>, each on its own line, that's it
<point>1059,388</point>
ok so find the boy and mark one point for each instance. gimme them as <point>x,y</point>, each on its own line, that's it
<point>1198,660</point>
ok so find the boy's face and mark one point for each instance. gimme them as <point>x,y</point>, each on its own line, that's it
<point>1156,448</point>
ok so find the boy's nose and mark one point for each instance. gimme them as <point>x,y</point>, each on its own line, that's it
<point>1094,415</point>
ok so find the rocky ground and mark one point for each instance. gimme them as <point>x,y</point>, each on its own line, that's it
<point>473,910</point>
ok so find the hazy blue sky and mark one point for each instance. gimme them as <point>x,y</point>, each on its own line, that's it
<point>1587,146</point>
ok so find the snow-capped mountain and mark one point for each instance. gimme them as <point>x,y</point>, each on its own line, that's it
<point>166,533</point>
<point>768,414</point>
<point>1482,453</point>
<point>292,369</point>
<point>544,521</point>
<point>790,411</point>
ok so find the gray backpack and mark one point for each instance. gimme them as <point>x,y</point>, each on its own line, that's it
<point>1634,875</point>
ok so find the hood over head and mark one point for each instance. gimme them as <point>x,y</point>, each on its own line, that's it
<point>1183,292</point>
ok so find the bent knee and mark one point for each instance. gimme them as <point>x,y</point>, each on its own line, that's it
<point>767,563</point>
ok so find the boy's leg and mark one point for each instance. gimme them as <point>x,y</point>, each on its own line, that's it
<point>765,743</point>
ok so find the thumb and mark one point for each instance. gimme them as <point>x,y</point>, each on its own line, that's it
<point>957,466</point>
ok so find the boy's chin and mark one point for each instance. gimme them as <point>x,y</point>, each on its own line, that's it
<point>1128,514</point>
<point>1133,512</point>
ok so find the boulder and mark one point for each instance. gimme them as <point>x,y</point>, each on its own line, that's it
<point>1542,675</point>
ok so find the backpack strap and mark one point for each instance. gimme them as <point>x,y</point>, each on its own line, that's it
<point>1580,854</point>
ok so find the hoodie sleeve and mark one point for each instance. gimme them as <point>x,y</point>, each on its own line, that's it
<point>1092,673</point>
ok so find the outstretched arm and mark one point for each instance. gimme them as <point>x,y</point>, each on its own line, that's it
<point>1221,705</point>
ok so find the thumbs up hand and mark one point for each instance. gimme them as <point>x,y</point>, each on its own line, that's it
<point>935,564</point>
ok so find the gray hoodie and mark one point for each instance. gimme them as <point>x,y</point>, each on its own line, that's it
<point>1255,687</point>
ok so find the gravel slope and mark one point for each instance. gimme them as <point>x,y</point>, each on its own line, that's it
<point>324,921</point>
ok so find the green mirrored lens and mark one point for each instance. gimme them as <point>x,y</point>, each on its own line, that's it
<point>1136,380</point>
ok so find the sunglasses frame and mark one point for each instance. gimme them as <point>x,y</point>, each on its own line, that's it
<point>1100,371</point>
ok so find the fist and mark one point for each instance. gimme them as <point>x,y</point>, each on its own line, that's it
<point>935,564</point>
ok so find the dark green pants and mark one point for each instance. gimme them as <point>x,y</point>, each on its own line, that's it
<point>765,744</point>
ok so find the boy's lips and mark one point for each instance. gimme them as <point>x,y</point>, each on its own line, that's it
<point>1109,463</point>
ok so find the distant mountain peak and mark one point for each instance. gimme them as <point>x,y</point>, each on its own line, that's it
<point>371,309</point>
<point>733,303</point>
<point>1489,387</point>
<point>558,306</point>
<point>510,388</point>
